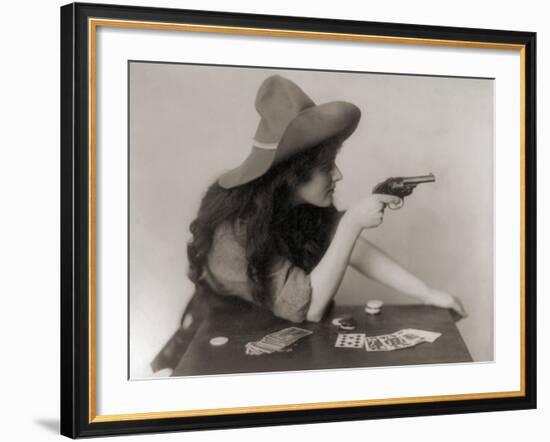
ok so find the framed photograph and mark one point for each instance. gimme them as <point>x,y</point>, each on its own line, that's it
<point>275,220</point>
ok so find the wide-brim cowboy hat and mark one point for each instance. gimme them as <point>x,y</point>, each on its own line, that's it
<point>290,123</point>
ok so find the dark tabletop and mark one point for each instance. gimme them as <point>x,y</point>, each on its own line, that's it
<point>317,351</point>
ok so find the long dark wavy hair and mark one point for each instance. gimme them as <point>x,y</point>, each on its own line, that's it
<point>274,225</point>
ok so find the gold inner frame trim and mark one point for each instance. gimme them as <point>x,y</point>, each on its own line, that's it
<point>93,24</point>
<point>301,34</point>
<point>294,407</point>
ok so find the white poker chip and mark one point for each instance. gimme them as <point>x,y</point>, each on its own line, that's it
<point>372,311</point>
<point>336,321</point>
<point>220,340</point>
<point>375,304</point>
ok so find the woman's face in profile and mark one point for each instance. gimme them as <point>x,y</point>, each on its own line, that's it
<point>319,190</point>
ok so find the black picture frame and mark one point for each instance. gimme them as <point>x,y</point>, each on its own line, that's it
<point>77,405</point>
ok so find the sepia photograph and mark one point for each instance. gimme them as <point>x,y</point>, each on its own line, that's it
<point>278,220</point>
<point>290,220</point>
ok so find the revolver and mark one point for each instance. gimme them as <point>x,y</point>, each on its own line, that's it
<point>401,187</point>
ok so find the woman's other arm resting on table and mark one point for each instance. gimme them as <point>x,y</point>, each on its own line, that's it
<point>377,265</point>
<point>327,275</point>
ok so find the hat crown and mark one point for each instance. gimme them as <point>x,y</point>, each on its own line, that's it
<point>290,123</point>
<point>278,102</point>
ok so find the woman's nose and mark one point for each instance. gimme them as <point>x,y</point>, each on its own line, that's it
<point>336,174</point>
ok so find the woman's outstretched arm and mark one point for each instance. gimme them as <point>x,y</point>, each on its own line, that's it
<point>377,265</point>
<point>327,275</point>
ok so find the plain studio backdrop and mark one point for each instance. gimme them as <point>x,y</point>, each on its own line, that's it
<point>29,183</point>
<point>190,123</point>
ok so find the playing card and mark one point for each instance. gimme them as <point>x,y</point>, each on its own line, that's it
<point>372,343</point>
<point>350,340</point>
<point>268,347</point>
<point>410,337</point>
<point>428,336</point>
<point>276,342</point>
<point>394,342</point>
<point>289,335</point>
<point>252,350</point>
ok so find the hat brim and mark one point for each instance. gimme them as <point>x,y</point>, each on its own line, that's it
<point>312,126</point>
<point>254,166</point>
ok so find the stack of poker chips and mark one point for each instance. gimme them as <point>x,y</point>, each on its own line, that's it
<point>276,342</point>
<point>345,322</point>
<point>374,306</point>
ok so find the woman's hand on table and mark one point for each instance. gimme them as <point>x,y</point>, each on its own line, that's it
<point>438,298</point>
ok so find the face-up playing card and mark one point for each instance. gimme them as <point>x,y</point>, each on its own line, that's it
<point>394,342</point>
<point>350,340</point>
<point>410,337</point>
<point>428,336</point>
<point>372,343</point>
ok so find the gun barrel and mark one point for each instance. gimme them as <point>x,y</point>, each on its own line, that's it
<point>419,179</point>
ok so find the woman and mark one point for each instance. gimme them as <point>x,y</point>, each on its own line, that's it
<point>268,232</point>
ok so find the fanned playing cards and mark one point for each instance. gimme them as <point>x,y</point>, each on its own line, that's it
<point>398,340</point>
<point>279,341</point>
